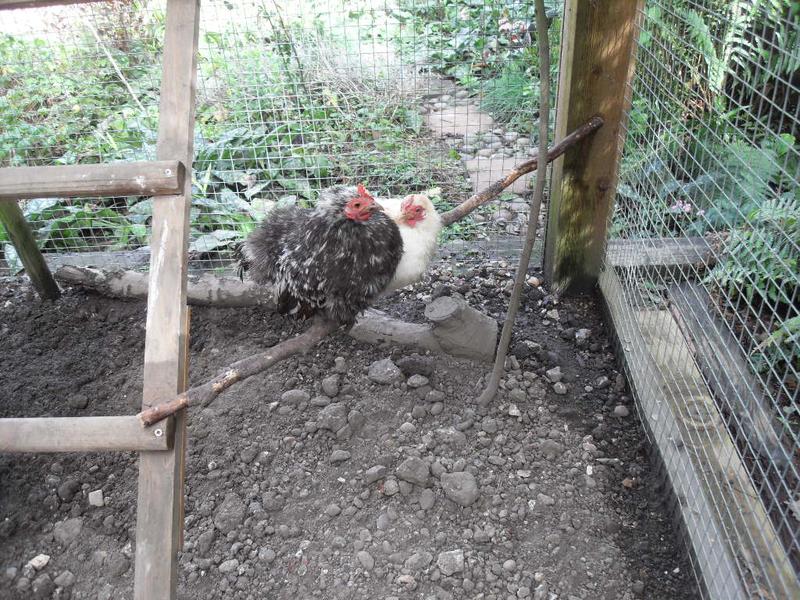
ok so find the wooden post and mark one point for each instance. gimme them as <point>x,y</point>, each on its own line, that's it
<point>597,58</point>
<point>24,243</point>
<point>159,509</point>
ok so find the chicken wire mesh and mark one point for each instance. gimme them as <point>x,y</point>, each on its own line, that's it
<point>406,96</point>
<point>701,276</point>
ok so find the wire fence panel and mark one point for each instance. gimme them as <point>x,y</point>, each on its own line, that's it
<point>405,96</point>
<point>703,278</point>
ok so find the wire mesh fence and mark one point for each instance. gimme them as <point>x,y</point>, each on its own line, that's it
<point>703,279</point>
<point>405,96</point>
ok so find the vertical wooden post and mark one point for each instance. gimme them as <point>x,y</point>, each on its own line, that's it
<point>24,243</point>
<point>160,502</point>
<point>597,57</point>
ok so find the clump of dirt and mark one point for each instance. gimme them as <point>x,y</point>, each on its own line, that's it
<point>342,474</point>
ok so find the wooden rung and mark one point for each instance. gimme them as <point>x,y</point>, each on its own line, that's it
<point>152,178</point>
<point>83,434</point>
<point>9,4</point>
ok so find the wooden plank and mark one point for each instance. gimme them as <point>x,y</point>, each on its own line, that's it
<point>715,561</point>
<point>12,4</point>
<point>159,509</point>
<point>153,178</point>
<point>597,58</point>
<point>82,434</point>
<point>659,252</point>
<point>726,371</point>
<point>25,244</point>
<point>685,417</point>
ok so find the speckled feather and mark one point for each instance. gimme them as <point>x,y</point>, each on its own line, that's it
<point>317,259</point>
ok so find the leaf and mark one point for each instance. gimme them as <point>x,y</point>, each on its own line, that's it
<point>252,191</point>
<point>12,259</point>
<point>211,241</point>
<point>38,205</point>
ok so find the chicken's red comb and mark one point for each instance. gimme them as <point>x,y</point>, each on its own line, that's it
<point>362,191</point>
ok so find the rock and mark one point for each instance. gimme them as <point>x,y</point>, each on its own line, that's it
<point>333,417</point>
<point>330,385</point>
<point>407,428</point>
<point>513,411</point>
<point>204,541</point>
<point>294,397</point>
<point>96,498</point>
<point>42,586</point>
<point>414,470</point>
<point>320,401</point>
<point>39,562</point>
<point>230,513</point>
<point>489,425</point>
<point>390,487</point>
<point>366,560</point>
<point>460,487</point>
<point>333,510</point>
<point>450,436</point>
<point>427,499</point>
<point>461,330</point>
<point>545,500</point>
<point>419,412</point>
<point>67,531</point>
<point>559,388</point>
<point>416,365</point>
<point>375,473</point>
<point>272,502</point>
<point>518,395</point>
<point>418,561</point>
<point>435,396</point>
<point>621,411</point>
<point>117,564</point>
<point>582,336</point>
<point>384,372</point>
<point>602,382</point>
<point>23,583</point>
<point>510,565</point>
<point>78,401</point>
<point>552,314</point>
<point>510,136</point>
<point>65,579</point>
<point>417,381</point>
<point>248,455</point>
<point>450,562</point>
<point>339,456</point>
<point>266,555</point>
<point>637,587</point>
<point>437,408</point>
<point>551,449</point>
<point>619,383</point>
<point>339,365</point>
<point>68,489</point>
<point>554,375</point>
<point>229,566</point>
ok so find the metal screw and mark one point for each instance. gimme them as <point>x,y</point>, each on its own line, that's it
<point>158,432</point>
<point>167,172</point>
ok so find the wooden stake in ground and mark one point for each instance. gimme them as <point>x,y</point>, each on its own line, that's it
<point>21,236</point>
<point>533,215</point>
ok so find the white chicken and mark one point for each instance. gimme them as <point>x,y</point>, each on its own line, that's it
<point>419,224</point>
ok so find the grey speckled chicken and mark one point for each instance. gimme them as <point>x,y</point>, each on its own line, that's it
<point>335,258</point>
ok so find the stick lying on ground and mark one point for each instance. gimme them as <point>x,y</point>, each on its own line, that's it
<point>322,328</point>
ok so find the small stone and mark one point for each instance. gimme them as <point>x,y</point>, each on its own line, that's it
<point>419,412</point>
<point>23,583</point>
<point>333,510</point>
<point>510,565</point>
<point>417,381</point>
<point>204,541</point>
<point>427,498</point>
<point>559,388</point>
<point>229,566</point>
<point>67,531</point>
<point>39,562</point>
<point>78,401</point>
<point>582,336</point>
<point>266,555</point>
<point>460,487</point>
<point>65,579</point>
<point>637,587</point>
<point>621,411</point>
<point>339,364</point>
<point>390,487</point>
<point>230,514</point>
<point>552,314</point>
<point>375,473</point>
<point>450,562</point>
<point>330,385</point>
<point>435,396</point>
<point>489,425</point>
<point>551,449</point>
<point>513,411</point>
<point>619,383</point>
<point>416,365</point>
<point>67,490</point>
<point>11,573</point>
<point>96,498</point>
<point>339,456</point>
<point>366,560</point>
<point>554,375</point>
<point>418,561</point>
<point>384,372</point>
<point>333,417</point>
<point>294,397</point>
<point>407,428</point>
<point>545,500</point>
<point>414,470</point>
<point>450,436</point>
<point>437,408</point>
<point>320,401</point>
<point>43,586</point>
<point>602,383</point>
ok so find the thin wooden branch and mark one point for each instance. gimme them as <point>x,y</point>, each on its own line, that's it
<point>242,369</point>
<point>533,215</point>
<point>495,189</point>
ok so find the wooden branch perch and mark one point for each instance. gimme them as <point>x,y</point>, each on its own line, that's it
<point>321,328</point>
<point>495,189</point>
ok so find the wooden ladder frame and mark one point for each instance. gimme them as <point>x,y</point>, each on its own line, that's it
<point>159,524</point>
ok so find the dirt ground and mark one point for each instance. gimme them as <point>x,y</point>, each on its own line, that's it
<point>314,480</point>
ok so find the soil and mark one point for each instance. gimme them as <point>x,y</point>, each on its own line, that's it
<point>567,506</point>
